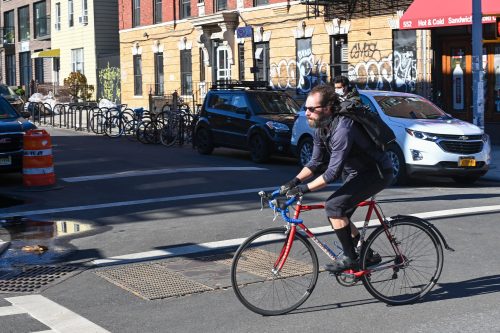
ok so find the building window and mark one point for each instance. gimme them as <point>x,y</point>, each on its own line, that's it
<point>159,77</point>
<point>9,28</point>
<point>137,75</point>
<point>186,73</point>
<point>39,73</point>
<point>10,69</point>
<point>157,9</point>
<point>58,16</point>
<point>85,8</point>
<point>202,66</point>
<point>241,61</point>
<point>41,19</point>
<point>23,15</point>
<point>71,14</point>
<point>220,5</point>
<point>185,8</point>
<point>260,2</point>
<point>25,68</point>
<point>77,60</point>
<point>338,56</point>
<point>262,61</point>
<point>136,13</point>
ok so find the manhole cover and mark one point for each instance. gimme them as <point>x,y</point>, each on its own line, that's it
<point>33,277</point>
<point>151,281</point>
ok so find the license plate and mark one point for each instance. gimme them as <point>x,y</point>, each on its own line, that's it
<point>5,160</point>
<point>466,162</point>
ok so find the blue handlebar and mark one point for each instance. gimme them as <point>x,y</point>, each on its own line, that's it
<point>284,211</point>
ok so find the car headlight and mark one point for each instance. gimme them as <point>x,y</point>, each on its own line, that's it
<point>422,135</point>
<point>278,127</point>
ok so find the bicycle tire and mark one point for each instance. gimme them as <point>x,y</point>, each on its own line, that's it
<point>113,127</point>
<point>255,284</point>
<point>408,278</point>
<point>170,132</point>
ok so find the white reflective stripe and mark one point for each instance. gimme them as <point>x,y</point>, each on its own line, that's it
<point>41,152</point>
<point>38,171</point>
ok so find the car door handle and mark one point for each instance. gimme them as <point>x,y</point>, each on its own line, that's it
<point>228,120</point>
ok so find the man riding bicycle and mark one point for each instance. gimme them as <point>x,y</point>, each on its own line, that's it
<point>342,145</point>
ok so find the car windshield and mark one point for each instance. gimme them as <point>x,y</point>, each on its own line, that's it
<point>409,107</point>
<point>6,91</point>
<point>274,103</point>
<point>6,110</point>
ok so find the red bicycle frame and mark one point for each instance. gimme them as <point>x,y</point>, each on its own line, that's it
<point>372,207</point>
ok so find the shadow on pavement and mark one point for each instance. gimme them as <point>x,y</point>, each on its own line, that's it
<point>468,288</point>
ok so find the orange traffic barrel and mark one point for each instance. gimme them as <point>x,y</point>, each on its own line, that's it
<point>38,165</point>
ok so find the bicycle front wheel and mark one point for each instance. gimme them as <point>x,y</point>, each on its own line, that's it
<point>258,284</point>
<point>410,262</point>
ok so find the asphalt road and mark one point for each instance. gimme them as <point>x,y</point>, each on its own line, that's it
<point>153,202</point>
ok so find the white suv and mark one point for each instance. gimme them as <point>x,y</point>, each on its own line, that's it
<point>428,140</point>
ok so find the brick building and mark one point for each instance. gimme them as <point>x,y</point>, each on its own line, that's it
<point>25,31</point>
<point>184,45</point>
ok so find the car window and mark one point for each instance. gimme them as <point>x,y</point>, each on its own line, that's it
<point>366,101</point>
<point>274,103</point>
<point>6,91</point>
<point>6,110</point>
<point>239,103</point>
<point>409,107</point>
<point>220,101</point>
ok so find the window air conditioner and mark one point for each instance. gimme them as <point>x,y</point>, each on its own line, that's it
<point>83,20</point>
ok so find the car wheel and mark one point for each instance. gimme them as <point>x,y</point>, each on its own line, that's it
<point>204,143</point>
<point>398,165</point>
<point>305,150</point>
<point>466,180</point>
<point>259,149</point>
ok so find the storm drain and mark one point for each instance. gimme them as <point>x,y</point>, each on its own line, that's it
<point>34,277</point>
<point>151,281</point>
<point>259,262</point>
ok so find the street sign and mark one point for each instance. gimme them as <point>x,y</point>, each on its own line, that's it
<point>244,32</point>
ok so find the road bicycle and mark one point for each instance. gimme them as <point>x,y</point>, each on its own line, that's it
<point>275,270</point>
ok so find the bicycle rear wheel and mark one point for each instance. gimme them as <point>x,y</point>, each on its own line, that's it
<point>406,278</point>
<point>265,291</point>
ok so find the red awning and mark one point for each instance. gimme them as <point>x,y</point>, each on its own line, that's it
<point>426,14</point>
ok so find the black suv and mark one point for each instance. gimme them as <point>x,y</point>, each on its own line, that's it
<point>246,115</point>
<point>12,128</point>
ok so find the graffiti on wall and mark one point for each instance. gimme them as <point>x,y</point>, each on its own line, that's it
<point>302,75</point>
<point>396,71</point>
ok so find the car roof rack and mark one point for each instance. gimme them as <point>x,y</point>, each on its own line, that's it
<point>237,84</point>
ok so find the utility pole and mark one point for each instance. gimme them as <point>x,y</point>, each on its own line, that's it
<point>477,65</point>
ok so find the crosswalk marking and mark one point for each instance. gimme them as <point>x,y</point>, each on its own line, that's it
<point>53,315</point>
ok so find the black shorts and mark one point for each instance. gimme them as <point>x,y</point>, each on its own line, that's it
<point>343,202</point>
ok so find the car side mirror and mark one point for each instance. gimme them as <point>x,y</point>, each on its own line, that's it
<point>245,111</point>
<point>25,114</point>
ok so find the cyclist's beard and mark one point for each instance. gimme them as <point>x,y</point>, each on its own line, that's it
<point>321,122</point>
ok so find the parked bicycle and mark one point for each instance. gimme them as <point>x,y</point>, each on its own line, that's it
<point>275,270</point>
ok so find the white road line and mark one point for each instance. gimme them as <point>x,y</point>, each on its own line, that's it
<point>204,247</point>
<point>10,310</point>
<point>137,173</point>
<point>139,202</point>
<point>53,315</point>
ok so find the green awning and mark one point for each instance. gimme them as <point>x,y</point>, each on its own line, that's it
<point>54,53</point>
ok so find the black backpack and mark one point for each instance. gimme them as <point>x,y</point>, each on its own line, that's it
<point>378,131</point>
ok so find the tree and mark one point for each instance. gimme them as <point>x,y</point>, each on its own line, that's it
<point>79,88</point>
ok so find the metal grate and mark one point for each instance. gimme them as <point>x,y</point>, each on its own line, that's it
<point>34,277</point>
<point>152,281</point>
<point>260,262</point>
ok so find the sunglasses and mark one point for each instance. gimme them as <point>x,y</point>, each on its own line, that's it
<point>312,109</point>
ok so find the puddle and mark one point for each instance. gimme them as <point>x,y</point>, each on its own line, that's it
<point>30,234</point>
<point>9,201</point>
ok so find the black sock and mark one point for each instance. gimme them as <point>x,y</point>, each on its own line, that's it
<point>344,236</point>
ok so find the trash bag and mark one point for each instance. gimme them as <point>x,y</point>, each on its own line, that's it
<point>105,103</point>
